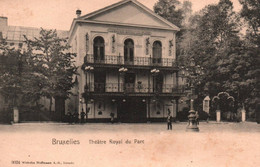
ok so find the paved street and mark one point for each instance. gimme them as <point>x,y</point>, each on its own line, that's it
<point>217,144</point>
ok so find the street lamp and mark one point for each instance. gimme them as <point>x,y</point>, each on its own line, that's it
<point>154,72</point>
<point>192,73</point>
<point>87,88</point>
<point>121,71</point>
<point>87,69</point>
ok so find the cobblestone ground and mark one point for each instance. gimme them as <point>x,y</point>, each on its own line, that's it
<point>217,144</point>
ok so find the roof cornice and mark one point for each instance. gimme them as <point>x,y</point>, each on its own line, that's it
<point>84,18</point>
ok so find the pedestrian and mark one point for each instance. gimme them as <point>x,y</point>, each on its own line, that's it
<point>76,117</point>
<point>169,121</point>
<point>112,115</point>
<point>70,117</point>
<point>82,117</point>
<point>208,116</point>
<point>197,117</point>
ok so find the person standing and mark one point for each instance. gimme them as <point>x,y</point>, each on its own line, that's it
<point>70,117</point>
<point>197,117</point>
<point>82,117</point>
<point>76,117</point>
<point>112,115</point>
<point>169,121</point>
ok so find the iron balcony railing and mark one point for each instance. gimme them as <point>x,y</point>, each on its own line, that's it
<point>138,61</point>
<point>132,88</point>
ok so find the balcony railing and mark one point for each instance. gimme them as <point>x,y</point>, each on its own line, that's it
<point>132,88</point>
<point>138,61</point>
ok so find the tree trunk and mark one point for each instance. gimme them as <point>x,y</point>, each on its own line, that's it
<point>51,114</point>
<point>59,108</point>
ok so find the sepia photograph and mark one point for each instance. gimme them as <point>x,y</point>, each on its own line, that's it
<point>129,83</point>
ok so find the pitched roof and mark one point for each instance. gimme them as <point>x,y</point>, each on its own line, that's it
<point>87,17</point>
<point>123,2</point>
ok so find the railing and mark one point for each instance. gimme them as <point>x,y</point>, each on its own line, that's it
<point>132,88</point>
<point>138,61</point>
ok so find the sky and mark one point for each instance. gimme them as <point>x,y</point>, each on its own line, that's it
<point>58,14</point>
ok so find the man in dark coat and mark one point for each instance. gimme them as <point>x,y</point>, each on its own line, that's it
<point>76,117</point>
<point>82,117</point>
<point>169,120</point>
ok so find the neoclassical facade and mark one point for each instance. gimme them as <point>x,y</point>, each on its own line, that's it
<point>127,64</point>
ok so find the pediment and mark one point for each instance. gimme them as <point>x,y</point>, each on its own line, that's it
<point>130,13</point>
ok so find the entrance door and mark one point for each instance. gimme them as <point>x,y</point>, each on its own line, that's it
<point>133,110</point>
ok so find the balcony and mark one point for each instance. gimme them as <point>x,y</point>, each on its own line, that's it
<point>132,88</point>
<point>138,61</point>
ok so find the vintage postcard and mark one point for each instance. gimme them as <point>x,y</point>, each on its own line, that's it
<point>129,83</point>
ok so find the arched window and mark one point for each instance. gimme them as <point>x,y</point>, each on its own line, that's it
<point>157,52</point>
<point>99,49</point>
<point>129,51</point>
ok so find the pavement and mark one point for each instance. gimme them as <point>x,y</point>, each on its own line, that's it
<point>223,144</point>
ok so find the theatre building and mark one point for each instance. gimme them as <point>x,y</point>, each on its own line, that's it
<point>127,64</point>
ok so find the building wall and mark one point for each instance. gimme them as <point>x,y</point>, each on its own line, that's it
<point>94,30</point>
<point>82,39</point>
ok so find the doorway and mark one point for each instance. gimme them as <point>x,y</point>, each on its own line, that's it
<point>132,110</point>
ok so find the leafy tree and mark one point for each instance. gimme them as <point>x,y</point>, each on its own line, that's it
<point>212,39</point>
<point>212,36</point>
<point>231,63</point>
<point>53,65</point>
<point>169,10</point>
<point>251,55</point>
<point>10,72</point>
<point>251,13</point>
<point>186,13</point>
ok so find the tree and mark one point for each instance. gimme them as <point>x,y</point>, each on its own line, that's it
<point>231,62</point>
<point>53,65</point>
<point>186,13</point>
<point>251,13</point>
<point>213,40</point>
<point>10,72</point>
<point>169,10</point>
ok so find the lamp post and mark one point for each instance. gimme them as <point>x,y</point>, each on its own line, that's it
<point>154,72</point>
<point>87,87</point>
<point>192,73</point>
<point>121,71</point>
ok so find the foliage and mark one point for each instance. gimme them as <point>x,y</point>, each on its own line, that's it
<point>52,64</point>
<point>251,13</point>
<point>168,10</point>
<point>212,37</point>
<point>10,72</point>
<point>44,69</point>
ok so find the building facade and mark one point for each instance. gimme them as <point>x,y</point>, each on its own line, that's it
<point>127,64</point>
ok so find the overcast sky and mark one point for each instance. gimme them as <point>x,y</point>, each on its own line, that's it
<point>58,14</point>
